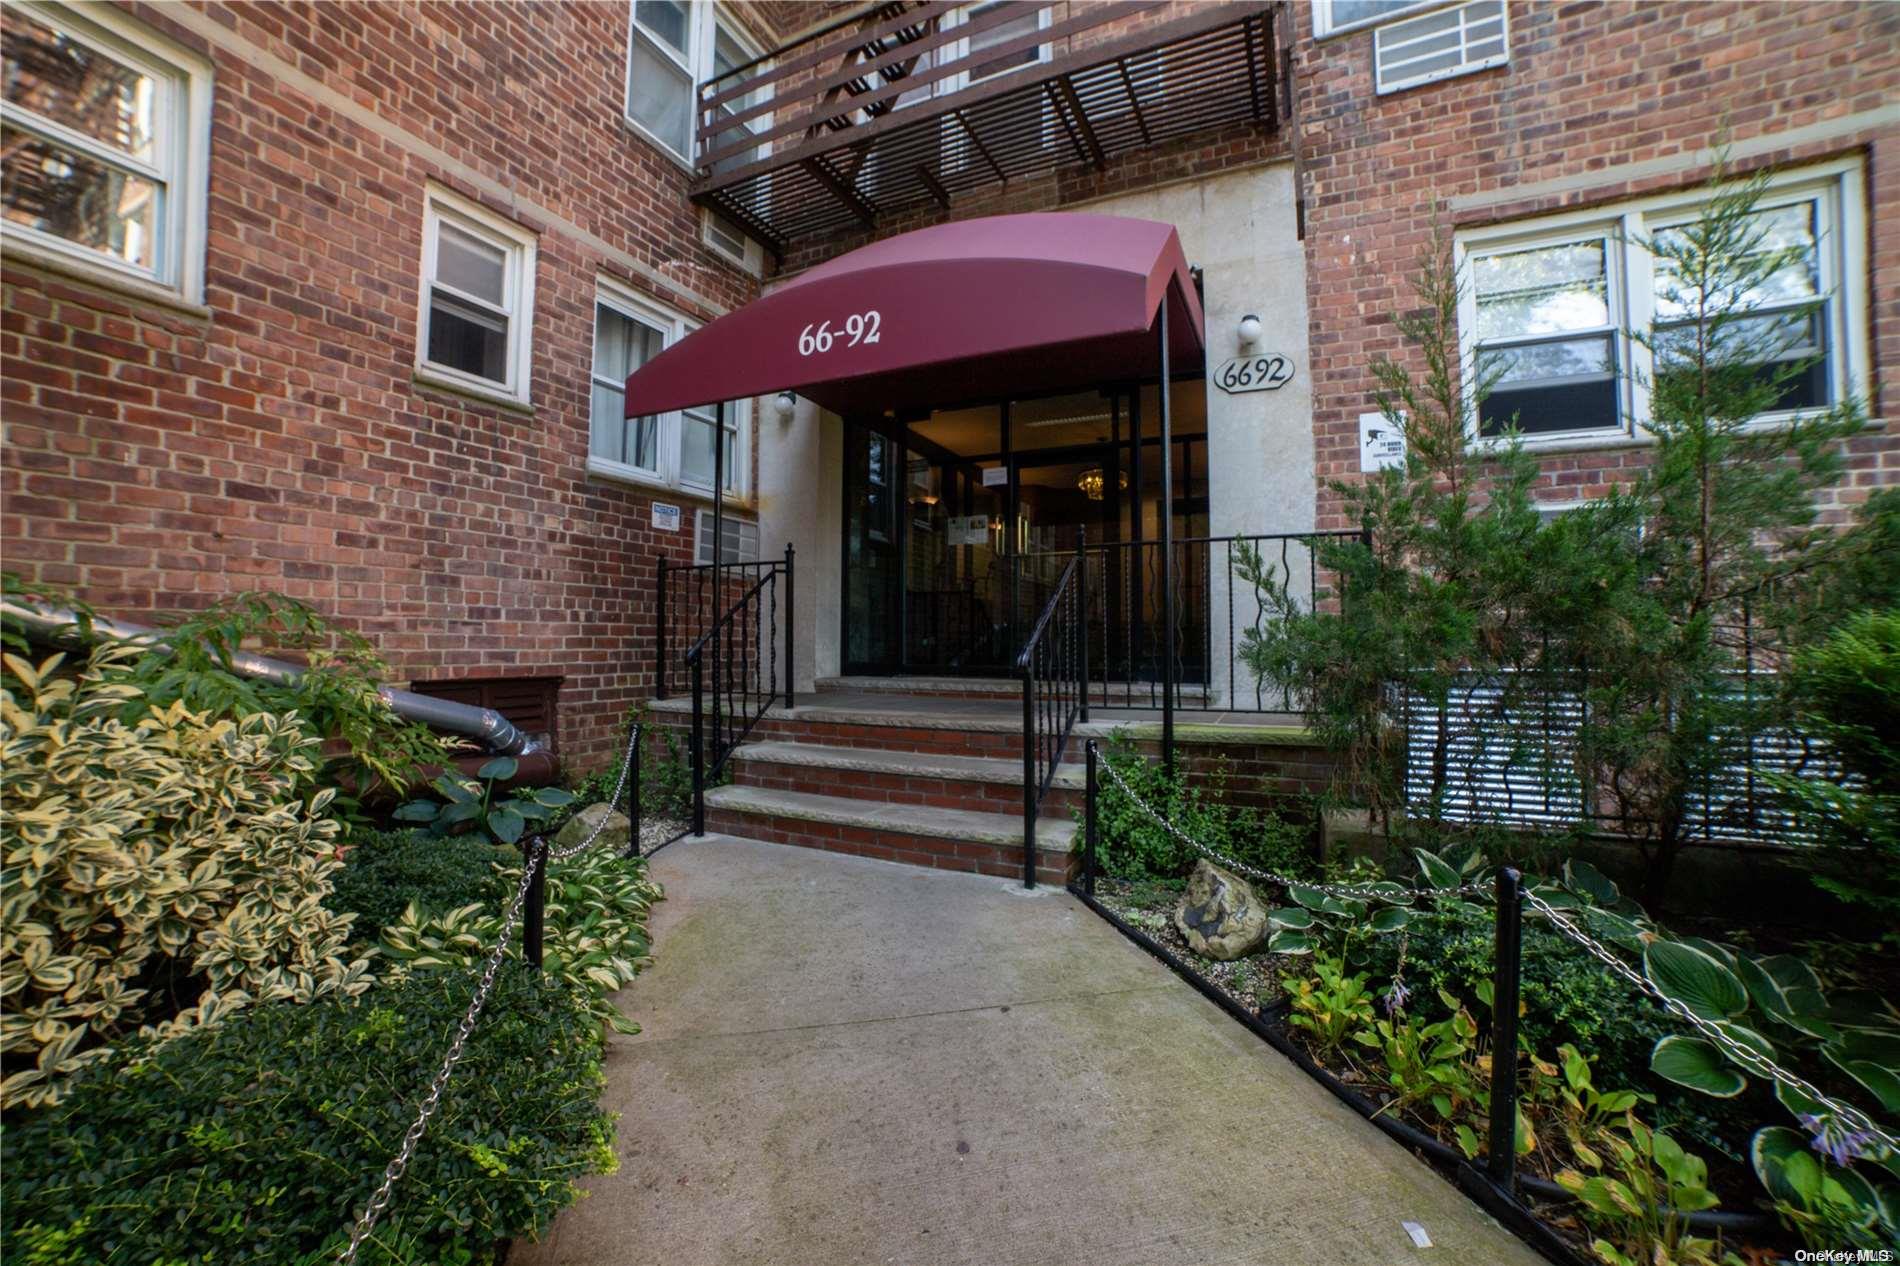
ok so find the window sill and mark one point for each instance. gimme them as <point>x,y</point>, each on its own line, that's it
<point>433,383</point>
<point>18,250</point>
<point>1639,438</point>
<point>646,481</point>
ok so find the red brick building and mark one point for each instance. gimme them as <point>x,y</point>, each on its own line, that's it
<point>335,300</point>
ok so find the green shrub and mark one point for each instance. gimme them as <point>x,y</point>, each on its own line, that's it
<point>260,1140</point>
<point>386,870</point>
<point>595,935</point>
<point>1846,691</point>
<point>1567,996</point>
<point>1132,845</point>
<point>163,872</point>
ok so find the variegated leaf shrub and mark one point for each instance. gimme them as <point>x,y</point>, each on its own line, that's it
<point>595,935</point>
<point>158,874</point>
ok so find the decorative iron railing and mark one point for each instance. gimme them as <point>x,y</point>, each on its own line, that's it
<point>691,599</point>
<point>1219,599</point>
<point>1054,665</point>
<point>734,666</point>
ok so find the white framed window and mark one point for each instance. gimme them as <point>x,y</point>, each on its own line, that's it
<point>476,321</point>
<point>1440,45</point>
<point>105,141</point>
<point>1334,17</point>
<point>738,539</point>
<point>666,47</point>
<point>670,450</point>
<point>1547,308</point>
<point>673,46</point>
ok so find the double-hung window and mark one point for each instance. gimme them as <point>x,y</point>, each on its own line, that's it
<point>673,46</point>
<point>1547,337</point>
<point>104,144</point>
<point>1550,310</point>
<point>673,450</point>
<point>664,49</point>
<point>477,300</point>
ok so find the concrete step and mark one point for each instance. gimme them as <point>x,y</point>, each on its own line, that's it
<point>985,784</point>
<point>1128,694</point>
<point>922,835</point>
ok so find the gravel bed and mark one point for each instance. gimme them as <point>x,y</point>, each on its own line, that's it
<point>655,830</point>
<point>1253,982</point>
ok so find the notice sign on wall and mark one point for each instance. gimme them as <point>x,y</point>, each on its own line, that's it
<point>969,529</point>
<point>665,518</point>
<point>1381,445</point>
<point>995,476</point>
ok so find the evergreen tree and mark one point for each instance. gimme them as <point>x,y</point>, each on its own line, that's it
<point>1609,654</point>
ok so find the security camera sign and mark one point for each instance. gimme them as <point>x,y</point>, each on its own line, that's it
<point>1381,444</point>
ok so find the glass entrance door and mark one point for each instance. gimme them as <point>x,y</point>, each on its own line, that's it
<point>956,534</point>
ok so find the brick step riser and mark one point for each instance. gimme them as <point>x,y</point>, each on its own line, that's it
<point>1004,745</point>
<point>878,785</point>
<point>891,846</point>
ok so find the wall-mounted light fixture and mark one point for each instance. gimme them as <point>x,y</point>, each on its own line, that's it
<point>1249,330</point>
<point>786,403</point>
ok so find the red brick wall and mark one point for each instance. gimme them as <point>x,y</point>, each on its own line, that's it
<point>155,460</point>
<point>1590,87</point>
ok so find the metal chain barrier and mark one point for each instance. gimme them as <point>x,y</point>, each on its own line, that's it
<point>1742,1054</point>
<point>613,802</point>
<point>400,1162</point>
<point>538,858</point>
<point>1348,892</point>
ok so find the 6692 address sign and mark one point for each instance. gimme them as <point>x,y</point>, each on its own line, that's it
<point>1261,371</point>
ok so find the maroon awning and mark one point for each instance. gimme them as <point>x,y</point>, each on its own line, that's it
<point>1011,305</point>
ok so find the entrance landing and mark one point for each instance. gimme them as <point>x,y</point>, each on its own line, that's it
<point>846,1061</point>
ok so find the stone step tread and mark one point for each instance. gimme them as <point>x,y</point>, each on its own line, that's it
<point>999,716</point>
<point>935,686</point>
<point>986,769</point>
<point>1055,830</point>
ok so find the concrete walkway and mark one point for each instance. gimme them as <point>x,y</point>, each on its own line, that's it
<point>849,1061</point>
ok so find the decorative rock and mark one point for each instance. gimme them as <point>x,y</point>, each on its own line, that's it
<point>582,824</point>
<point>1219,914</point>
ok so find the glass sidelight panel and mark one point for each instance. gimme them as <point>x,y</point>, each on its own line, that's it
<point>873,581</point>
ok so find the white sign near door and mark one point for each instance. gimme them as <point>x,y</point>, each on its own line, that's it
<point>995,476</point>
<point>1381,444</point>
<point>972,529</point>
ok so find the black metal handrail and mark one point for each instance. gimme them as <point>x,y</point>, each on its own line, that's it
<point>692,597</point>
<point>1054,666</point>
<point>1214,606</point>
<point>745,647</point>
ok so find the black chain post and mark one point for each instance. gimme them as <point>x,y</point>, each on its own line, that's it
<point>534,907</point>
<point>1504,980</point>
<point>1088,818</point>
<point>633,792</point>
<point>699,752</point>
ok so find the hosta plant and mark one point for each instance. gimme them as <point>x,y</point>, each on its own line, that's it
<point>466,804</point>
<point>1828,1205</point>
<point>159,873</point>
<point>595,936</point>
<point>1426,1064</point>
<point>1633,1193</point>
<point>1330,1004</point>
